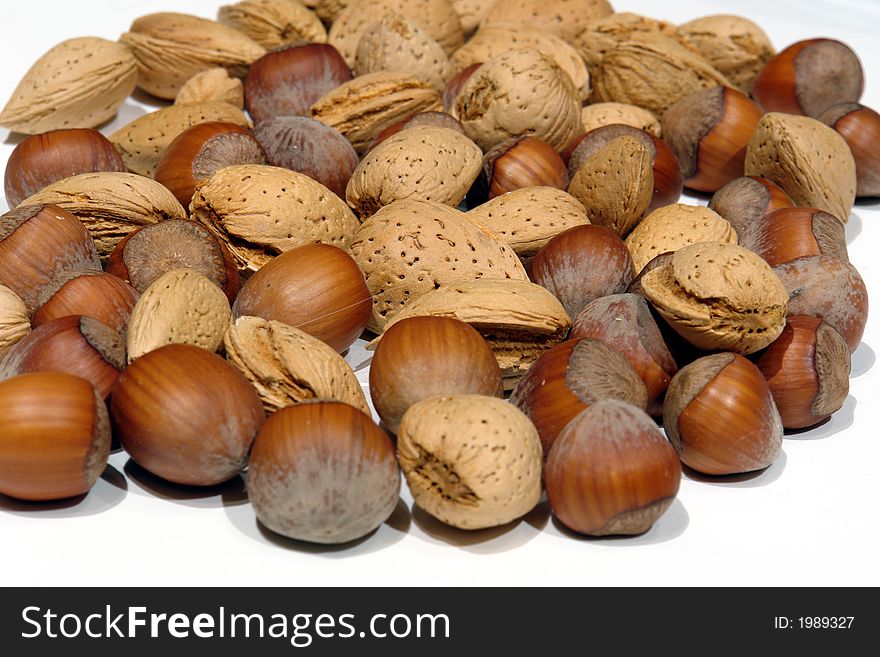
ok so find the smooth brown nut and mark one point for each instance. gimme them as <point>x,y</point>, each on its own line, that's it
<point>76,345</point>
<point>674,226</point>
<point>38,244</point>
<point>709,131</point>
<point>583,264</point>
<point>719,297</point>
<point>288,366</point>
<point>273,23</point>
<point>363,108</point>
<point>421,119</point>
<point>180,307</point>
<point>261,211</point>
<point>519,92</point>
<point>528,218</point>
<point>425,163</point>
<point>149,252</point>
<point>316,288</point>
<point>808,77</point>
<point>806,158</point>
<point>734,45</point>
<point>470,461</point>
<point>144,141</point>
<point>79,83</point>
<point>308,146</point>
<point>424,356</point>
<point>570,377</point>
<point>793,233</point>
<point>519,320</point>
<point>611,471</point>
<point>213,84</point>
<point>43,159</point>
<point>51,451</point>
<point>199,152</point>
<point>517,163</point>
<point>564,18</point>
<point>170,48</point>
<point>411,247</point>
<point>197,427</point>
<point>807,368</point>
<point>720,416</point>
<point>743,200</point>
<point>323,472</point>
<point>288,82</point>
<point>14,320</point>
<point>624,322</point>
<point>87,292</point>
<point>653,72</point>
<point>832,289</point>
<point>397,44</point>
<point>860,128</point>
<point>602,114</point>
<point>111,205</point>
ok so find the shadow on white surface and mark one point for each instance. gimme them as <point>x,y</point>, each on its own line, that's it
<point>853,227</point>
<point>746,480</point>
<point>390,532</point>
<point>229,493</point>
<point>108,491</point>
<point>839,421</point>
<point>863,359</point>
<point>669,526</point>
<point>14,138</point>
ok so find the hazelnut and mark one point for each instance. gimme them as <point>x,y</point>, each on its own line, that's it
<point>624,322</point>
<point>51,451</point>
<point>456,84</point>
<point>611,471</point>
<point>302,144</point>
<point>185,415</point>
<point>198,152</point>
<point>423,356</point>
<point>40,160</point>
<point>720,416</point>
<point>85,292</point>
<point>14,320</point>
<point>570,377</point>
<point>860,127</point>
<point>470,461</point>
<point>828,288</point>
<point>808,77</point>
<point>709,131</point>
<point>39,243</point>
<point>517,163</point>
<point>743,200</point>
<point>76,345</point>
<point>151,251</point>
<point>317,288</point>
<point>322,472</point>
<point>289,81</point>
<point>807,368</point>
<point>420,119</point>
<point>793,233</point>
<point>582,264</point>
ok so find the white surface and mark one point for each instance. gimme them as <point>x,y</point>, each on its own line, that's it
<point>809,520</point>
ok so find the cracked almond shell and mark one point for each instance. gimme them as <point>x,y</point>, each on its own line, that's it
<point>273,23</point>
<point>213,84</point>
<point>14,320</point>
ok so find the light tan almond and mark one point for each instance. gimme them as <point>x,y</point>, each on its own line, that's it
<point>471,13</point>
<point>564,18</point>
<point>273,23</point>
<point>602,114</point>
<point>214,84</point>
<point>327,10</point>
<point>15,320</point>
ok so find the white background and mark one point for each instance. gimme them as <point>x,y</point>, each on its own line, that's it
<point>810,519</point>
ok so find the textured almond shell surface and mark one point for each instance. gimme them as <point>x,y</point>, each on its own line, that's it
<point>170,48</point>
<point>260,211</point>
<point>213,84</point>
<point>15,322</point>
<point>471,13</point>
<point>602,114</point>
<point>180,307</point>
<point>673,226</point>
<point>363,107</point>
<point>111,204</point>
<point>80,83</point>
<point>425,163</point>
<point>520,92</point>
<point>807,159</point>
<point>470,461</point>
<point>411,247</point>
<point>529,217</point>
<point>143,141</point>
<point>719,297</point>
<point>288,366</point>
<point>564,18</point>
<point>273,23</point>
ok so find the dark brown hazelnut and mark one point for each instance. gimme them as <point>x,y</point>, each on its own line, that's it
<point>793,233</point>
<point>90,293</point>
<point>743,200</point>
<point>860,127</point>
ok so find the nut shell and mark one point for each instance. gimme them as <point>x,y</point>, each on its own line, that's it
<point>87,292</point>
<point>564,18</point>
<point>14,320</point>
<point>793,233</point>
<point>743,200</point>
<point>273,23</point>
<point>860,128</point>
<point>213,84</point>
<point>602,114</point>
<point>517,163</point>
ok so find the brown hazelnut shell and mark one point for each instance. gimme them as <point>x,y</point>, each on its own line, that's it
<point>517,163</point>
<point>860,128</point>
<point>745,199</point>
<point>91,293</point>
<point>793,233</point>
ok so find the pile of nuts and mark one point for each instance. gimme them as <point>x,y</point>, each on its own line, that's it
<point>490,190</point>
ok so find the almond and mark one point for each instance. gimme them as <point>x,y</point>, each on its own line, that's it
<point>564,18</point>
<point>213,84</point>
<point>602,114</point>
<point>273,23</point>
<point>15,321</point>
